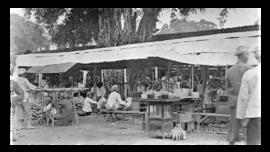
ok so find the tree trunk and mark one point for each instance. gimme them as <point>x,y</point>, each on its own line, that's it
<point>147,25</point>
<point>128,34</point>
<point>109,26</point>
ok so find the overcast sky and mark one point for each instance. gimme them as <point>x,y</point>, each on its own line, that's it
<point>236,17</point>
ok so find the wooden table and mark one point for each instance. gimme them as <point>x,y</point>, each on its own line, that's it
<point>159,123</point>
<point>165,120</point>
<point>56,91</point>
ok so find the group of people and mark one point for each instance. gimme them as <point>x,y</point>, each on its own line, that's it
<point>113,102</point>
<point>243,87</point>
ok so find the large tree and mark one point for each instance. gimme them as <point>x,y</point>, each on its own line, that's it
<point>26,35</point>
<point>80,26</point>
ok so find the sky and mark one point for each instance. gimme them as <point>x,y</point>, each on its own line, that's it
<point>236,17</point>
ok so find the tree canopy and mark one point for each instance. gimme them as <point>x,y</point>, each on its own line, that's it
<point>72,27</point>
<point>26,35</point>
<point>180,26</point>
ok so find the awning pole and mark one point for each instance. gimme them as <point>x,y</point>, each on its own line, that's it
<point>192,77</point>
<point>39,79</point>
<point>94,81</point>
<point>102,77</point>
<point>125,82</point>
<point>156,73</point>
<point>84,77</point>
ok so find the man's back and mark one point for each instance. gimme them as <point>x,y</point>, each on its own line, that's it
<point>233,78</point>
<point>249,99</point>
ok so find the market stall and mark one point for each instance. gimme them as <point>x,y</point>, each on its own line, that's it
<point>55,92</point>
<point>209,50</point>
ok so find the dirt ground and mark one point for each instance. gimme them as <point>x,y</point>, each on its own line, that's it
<point>93,130</point>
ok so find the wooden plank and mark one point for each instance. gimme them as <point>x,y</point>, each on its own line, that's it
<point>212,114</point>
<point>123,112</point>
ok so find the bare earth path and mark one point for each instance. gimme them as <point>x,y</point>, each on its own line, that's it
<point>96,131</point>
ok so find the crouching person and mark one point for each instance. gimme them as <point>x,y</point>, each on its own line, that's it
<point>66,113</point>
<point>115,101</point>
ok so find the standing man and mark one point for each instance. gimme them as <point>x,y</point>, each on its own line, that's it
<point>249,103</point>
<point>233,80</point>
<point>26,113</point>
<point>16,98</point>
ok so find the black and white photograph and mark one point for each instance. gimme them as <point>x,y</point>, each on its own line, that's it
<point>135,76</point>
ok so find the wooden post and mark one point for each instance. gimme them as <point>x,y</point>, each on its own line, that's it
<point>75,111</point>
<point>192,77</point>
<point>39,79</point>
<point>156,73</point>
<point>226,69</point>
<point>84,77</point>
<point>102,77</point>
<point>94,81</point>
<point>125,82</point>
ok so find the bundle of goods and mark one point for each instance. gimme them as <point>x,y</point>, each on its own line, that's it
<point>37,112</point>
<point>178,133</point>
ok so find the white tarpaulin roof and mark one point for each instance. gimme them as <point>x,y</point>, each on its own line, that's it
<point>214,50</point>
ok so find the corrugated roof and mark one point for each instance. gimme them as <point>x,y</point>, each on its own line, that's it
<point>169,49</point>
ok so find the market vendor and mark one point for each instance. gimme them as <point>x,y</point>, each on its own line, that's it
<point>25,113</point>
<point>115,102</point>
<point>100,95</point>
<point>66,115</point>
<point>89,105</point>
<point>207,99</point>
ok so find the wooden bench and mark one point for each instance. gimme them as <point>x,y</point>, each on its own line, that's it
<point>207,115</point>
<point>132,112</point>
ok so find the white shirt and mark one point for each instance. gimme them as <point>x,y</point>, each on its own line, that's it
<point>87,105</point>
<point>249,98</point>
<point>114,99</point>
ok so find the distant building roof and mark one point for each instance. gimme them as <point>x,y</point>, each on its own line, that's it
<point>161,37</point>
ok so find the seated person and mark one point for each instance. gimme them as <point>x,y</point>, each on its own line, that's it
<point>100,95</point>
<point>66,113</point>
<point>115,102</point>
<point>89,105</point>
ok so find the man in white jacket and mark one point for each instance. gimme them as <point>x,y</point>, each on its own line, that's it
<point>249,103</point>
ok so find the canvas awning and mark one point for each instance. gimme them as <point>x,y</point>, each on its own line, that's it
<point>55,68</point>
<point>210,47</point>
